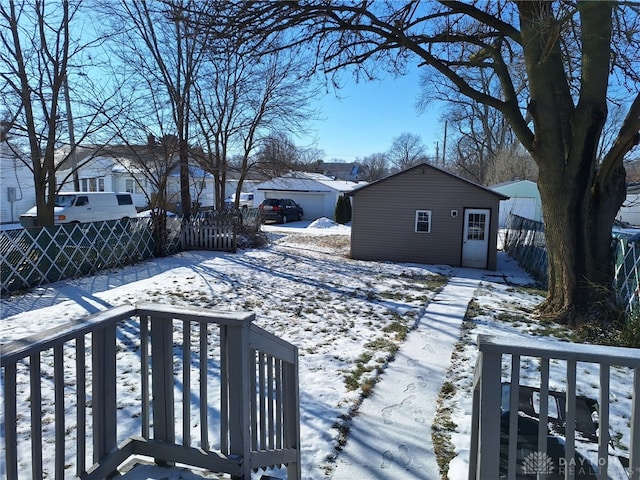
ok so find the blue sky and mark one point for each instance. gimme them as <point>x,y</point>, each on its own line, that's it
<point>368,115</point>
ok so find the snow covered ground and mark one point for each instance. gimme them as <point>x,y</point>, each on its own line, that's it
<point>304,288</point>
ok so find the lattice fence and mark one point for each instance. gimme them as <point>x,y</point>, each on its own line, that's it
<point>36,256</point>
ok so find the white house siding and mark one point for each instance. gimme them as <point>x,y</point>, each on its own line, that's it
<point>14,175</point>
<point>523,207</point>
<point>114,175</point>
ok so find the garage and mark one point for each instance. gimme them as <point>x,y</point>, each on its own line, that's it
<point>317,194</point>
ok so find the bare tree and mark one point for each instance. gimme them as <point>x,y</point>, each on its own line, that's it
<point>406,150</point>
<point>375,167</point>
<point>241,99</point>
<point>511,164</point>
<point>478,132</point>
<point>571,52</point>
<point>39,55</point>
<point>277,155</point>
<point>160,50</point>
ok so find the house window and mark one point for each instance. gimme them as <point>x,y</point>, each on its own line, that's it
<point>92,184</point>
<point>131,186</point>
<point>423,221</point>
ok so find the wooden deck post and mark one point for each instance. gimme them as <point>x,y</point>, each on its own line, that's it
<point>236,350</point>
<point>103,362</point>
<point>489,431</point>
<point>162,380</point>
<point>292,417</point>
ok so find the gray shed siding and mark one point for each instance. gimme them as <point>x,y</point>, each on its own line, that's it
<point>383,218</point>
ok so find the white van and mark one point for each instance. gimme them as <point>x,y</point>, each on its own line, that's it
<point>246,200</point>
<point>83,207</point>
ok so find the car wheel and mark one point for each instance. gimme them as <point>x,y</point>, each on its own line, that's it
<point>284,219</point>
<point>299,217</point>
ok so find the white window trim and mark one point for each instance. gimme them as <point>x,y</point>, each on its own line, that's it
<point>127,188</point>
<point>418,212</point>
<point>136,188</point>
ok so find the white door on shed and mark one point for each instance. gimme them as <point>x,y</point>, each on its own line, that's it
<point>475,242</point>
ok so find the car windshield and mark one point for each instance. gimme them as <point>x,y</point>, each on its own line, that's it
<point>64,200</point>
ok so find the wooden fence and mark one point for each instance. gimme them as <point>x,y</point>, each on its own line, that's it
<point>221,236</point>
<point>175,385</point>
<point>521,430</point>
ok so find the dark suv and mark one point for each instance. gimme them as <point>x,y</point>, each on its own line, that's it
<point>281,210</point>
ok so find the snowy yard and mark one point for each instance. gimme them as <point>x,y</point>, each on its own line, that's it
<point>347,317</point>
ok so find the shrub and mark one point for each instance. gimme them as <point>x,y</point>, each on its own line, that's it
<point>342,212</point>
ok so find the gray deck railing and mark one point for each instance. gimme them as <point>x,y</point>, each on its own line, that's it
<point>497,411</point>
<point>152,381</point>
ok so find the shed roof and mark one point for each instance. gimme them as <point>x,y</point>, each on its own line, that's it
<point>517,188</point>
<point>436,169</point>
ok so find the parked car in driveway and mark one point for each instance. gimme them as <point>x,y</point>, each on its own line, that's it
<point>83,207</point>
<point>281,210</point>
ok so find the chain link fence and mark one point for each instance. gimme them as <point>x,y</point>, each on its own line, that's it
<point>524,240</point>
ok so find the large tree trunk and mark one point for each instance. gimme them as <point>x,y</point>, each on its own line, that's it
<point>578,224</point>
<point>580,193</point>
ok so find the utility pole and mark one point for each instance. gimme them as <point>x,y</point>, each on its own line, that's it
<point>444,146</point>
<point>72,141</point>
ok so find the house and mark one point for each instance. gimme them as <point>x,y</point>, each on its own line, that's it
<point>17,193</point>
<point>201,183</point>
<point>317,194</point>
<point>113,168</point>
<point>107,173</point>
<point>340,170</point>
<point>524,200</point>
<point>426,215</point>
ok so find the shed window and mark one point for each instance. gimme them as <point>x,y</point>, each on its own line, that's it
<point>423,221</point>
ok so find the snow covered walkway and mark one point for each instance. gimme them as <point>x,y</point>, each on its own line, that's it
<point>391,436</point>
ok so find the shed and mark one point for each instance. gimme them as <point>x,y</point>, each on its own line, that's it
<point>524,200</point>
<point>317,194</point>
<point>426,215</point>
